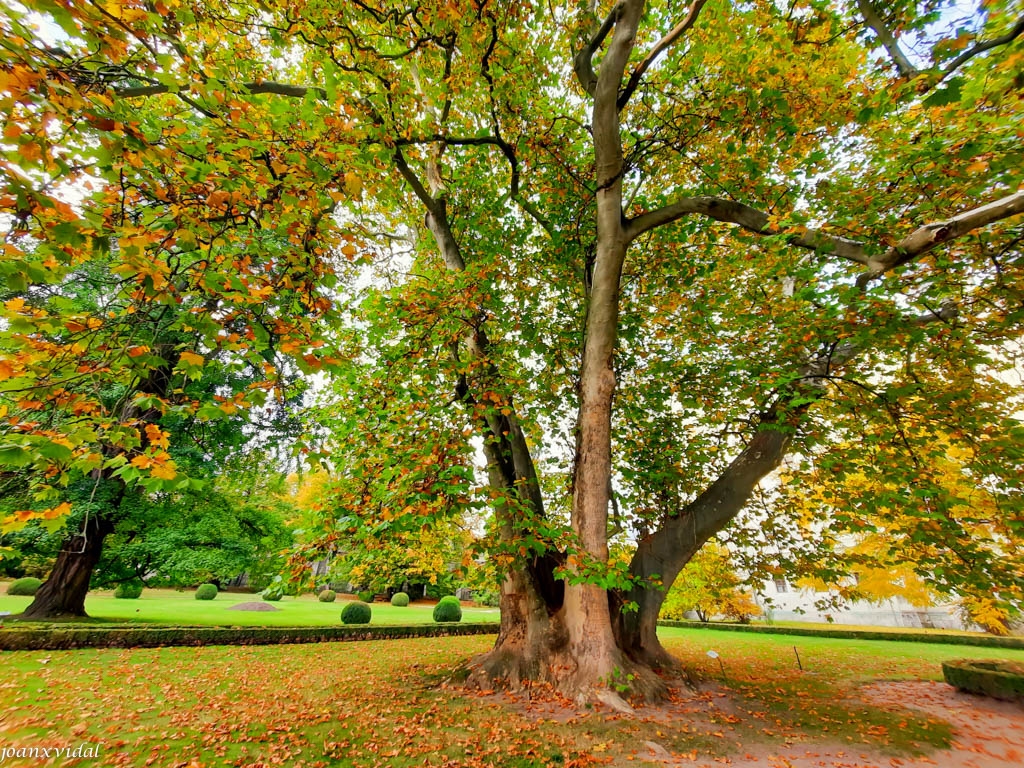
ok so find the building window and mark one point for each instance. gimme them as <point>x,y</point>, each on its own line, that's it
<point>780,585</point>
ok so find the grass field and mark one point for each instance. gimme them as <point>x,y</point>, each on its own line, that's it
<point>384,703</point>
<point>168,606</point>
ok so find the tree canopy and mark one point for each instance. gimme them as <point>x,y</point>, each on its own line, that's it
<point>639,251</point>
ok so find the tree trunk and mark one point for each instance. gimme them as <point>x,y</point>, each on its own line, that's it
<point>63,593</point>
<point>666,552</point>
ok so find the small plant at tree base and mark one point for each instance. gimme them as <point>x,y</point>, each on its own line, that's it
<point>327,596</point>
<point>356,612</point>
<point>400,599</point>
<point>366,595</point>
<point>448,610</point>
<point>26,587</point>
<point>622,683</point>
<point>128,590</point>
<point>206,592</point>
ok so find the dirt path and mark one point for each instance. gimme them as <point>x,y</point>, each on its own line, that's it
<point>987,734</point>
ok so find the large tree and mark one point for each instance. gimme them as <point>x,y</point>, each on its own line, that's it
<point>718,217</point>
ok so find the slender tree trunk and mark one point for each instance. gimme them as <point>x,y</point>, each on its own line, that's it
<point>63,593</point>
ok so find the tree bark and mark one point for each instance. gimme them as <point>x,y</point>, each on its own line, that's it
<point>63,593</point>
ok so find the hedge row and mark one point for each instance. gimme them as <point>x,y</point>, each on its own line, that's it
<point>998,679</point>
<point>858,634</point>
<point>121,637</point>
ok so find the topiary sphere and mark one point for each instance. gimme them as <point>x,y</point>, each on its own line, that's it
<point>26,587</point>
<point>356,612</point>
<point>448,610</point>
<point>206,592</point>
<point>366,595</point>
<point>272,593</point>
<point>400,599</point>
<point>128,590</point>
<point>327,596</point>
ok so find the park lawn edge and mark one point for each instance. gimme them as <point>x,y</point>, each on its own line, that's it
<point>988,641</point>
<point>69,638</point>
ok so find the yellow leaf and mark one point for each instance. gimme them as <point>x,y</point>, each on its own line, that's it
<point>164,471</point>
<point>192,360</point>
<point>157,436</point>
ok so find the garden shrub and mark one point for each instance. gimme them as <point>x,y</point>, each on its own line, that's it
<point>25,587</point>
<point>272,594</point>
<point>400,599</point>
<point>128,590</point>
<point>327,596</point>
<point>366,595</point>
<point>206,592</point>
<point>448,609</point>
<point>356,612</point>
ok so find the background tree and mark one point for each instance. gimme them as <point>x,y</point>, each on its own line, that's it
<point>709,586</point>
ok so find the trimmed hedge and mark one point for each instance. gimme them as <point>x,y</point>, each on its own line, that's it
<point>356,612</point>
<point>400,599</point>
<point>366,595</point>
<point>327,596</point>
<point>986,641</point>
<point>128,591</point>
<point>73,637</point>
<point>206,592</point>
<point>448,610</point>
<point>998,679</point>
<point>26,587</point>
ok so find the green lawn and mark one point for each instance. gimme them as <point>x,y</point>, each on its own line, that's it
<point>386,703</point>
<point>168,606</point>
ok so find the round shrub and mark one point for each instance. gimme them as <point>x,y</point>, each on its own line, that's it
<point>206,592</point>
<point>24,587</point>
<point>400,599</point>
<point>448,609</point>
<point>356,612</point>
<point>128,590</point>
<point>272,594</point>
<point>366,595</point>
<point>327,596</point>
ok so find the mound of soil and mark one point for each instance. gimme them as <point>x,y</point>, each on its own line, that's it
<point>254,606</point>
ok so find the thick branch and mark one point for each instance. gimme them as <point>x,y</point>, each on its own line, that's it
<point>660,47</point>
<point>918,242</point>
<point>751,219</point>
<point>265,86</point>
<point>886,38</point>
<point>583,63</point>
<point>414,181</point>
<point>984,45</point>
<point>924,239</point>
